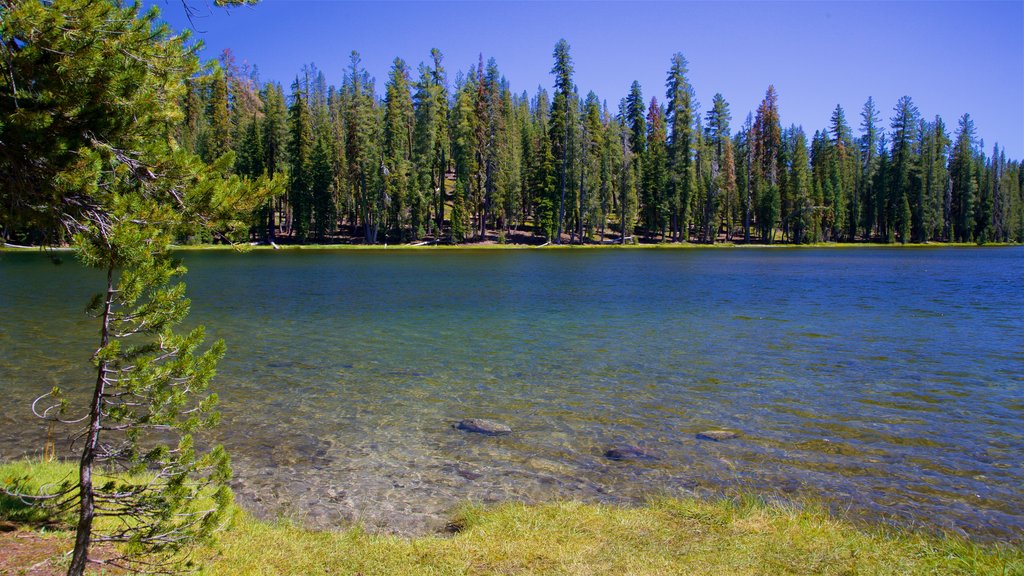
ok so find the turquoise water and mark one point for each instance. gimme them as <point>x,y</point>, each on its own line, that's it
<point>889,382</point>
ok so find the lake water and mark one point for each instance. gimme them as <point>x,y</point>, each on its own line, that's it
<point>889,382</point>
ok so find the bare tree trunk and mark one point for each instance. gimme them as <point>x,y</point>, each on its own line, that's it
<point>86,498</point>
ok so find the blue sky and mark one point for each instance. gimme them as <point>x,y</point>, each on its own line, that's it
<point>950,57</point>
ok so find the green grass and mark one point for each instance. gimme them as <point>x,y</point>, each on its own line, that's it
<point>663,537</point>
<point>667,536</point>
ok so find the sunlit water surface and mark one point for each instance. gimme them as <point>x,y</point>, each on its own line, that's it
<point>889,382</point>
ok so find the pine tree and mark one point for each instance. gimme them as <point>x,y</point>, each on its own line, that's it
<point>467,137</point>
<point>399,122</point>
<point>800,182</point>
<point>984,205</point>
<point>492,121</point>
<point>431,136</point>
<point>681,142</point>
<point>655,178</point>
<point>729,187</point>
<point>365,169</point>
<point>934,179</point>
<point>843,202</point>
<point>964,181</point>
<point>218,139</point>
<point>321,186</point>
<point>249,159</point>
<point>96,154</point>
<point>631,126</point>
<point>868,167</point>
<point>767,145</point>
<point>274,135</point>
<point>592,204</point>
<point>543,176</point>
<point>562,126</point>
<point>723,185</point>
<point>300,145</point>
<point>903,179</point>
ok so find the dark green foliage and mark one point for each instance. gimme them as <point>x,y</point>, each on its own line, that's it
<point>89,144</point>
<point>802,218</point>
<point>869,142</point>
<point>903,179</point>
<point>300,145</point>
<point>682,177</point>
<point>964,183</point>
<point>366,171</point>
<point>399,121</point>
<point>393,164</point>
<point>217,141</point>
<point>655,189</point>
<point>767,153</point>
<point>720,197</point>
<point>562,128</point>
<point>543,175</point>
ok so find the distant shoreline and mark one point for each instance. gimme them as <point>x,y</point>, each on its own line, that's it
<point>495,246</point>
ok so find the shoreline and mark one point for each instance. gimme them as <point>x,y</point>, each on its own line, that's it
<point>743,534</point>
<point>532,247</point>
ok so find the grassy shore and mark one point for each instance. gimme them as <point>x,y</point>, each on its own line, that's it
<point>667,536</point>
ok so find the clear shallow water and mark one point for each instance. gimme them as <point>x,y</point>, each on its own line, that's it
<point>888,381</point>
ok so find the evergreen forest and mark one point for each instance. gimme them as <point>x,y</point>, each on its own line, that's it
<point>438,158</point>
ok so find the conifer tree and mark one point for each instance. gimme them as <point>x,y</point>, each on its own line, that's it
<point>493,124</point>
<point>655,202</point>
<point>249,159</point>
<point>800,182</point>
<point>321,186</point>
<point>868,166</point>
<point>984,203</point>
<point>300,145</point>
<point>562,126</point>
<point>467,136</point>
<point>543,176</point>
<point>399,122</point>
<point>592,206</point>
<point>904,128</point>
<point>767,145</point>
<point>509,162</point>
<point>934,179</point>
<point>362,151</point>
<point>610,163</point>
<point>274,136</point>
<point>96,154</point>
<point>723,178</point>
<point>631,125</point>
<point>682,141</point>
<point>431,135</point>
<point>843,202</point>
<point>729,187</point>
<point>218,136</point>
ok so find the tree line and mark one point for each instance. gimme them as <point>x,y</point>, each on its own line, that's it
<point>466,161</point>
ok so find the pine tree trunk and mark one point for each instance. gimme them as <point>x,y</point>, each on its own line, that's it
<point>87,509</point>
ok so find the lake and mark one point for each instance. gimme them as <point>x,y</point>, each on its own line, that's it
<point>888,382</point>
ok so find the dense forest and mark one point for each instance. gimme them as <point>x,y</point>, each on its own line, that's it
<point>467,160</point>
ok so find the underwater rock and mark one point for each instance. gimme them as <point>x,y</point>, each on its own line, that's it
<point>481,426</point>
<point>717,435</point>
<point>629,453</point>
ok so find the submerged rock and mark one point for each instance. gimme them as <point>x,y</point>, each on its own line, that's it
<point>717,435</point>
<point>629,453</point>
<point>481,426</point>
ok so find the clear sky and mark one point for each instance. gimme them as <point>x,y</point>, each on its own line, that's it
<point>950,57</point>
